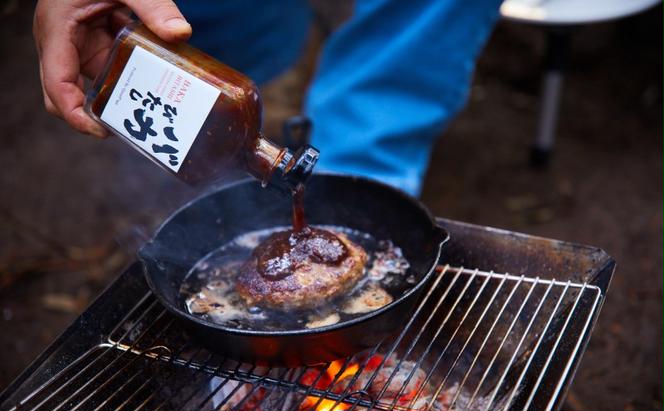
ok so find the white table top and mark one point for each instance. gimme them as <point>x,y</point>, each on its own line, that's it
<point>571,11</point>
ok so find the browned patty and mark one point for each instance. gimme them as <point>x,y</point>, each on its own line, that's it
<point>310,285</point>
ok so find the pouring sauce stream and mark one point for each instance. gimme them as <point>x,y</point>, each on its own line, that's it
<point>284,252</point>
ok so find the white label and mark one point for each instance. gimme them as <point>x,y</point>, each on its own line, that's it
<point>159,107</point>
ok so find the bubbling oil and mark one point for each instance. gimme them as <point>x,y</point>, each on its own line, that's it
<point>208,290</point>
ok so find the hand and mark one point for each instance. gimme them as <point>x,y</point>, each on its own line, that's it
<point>74,38</point>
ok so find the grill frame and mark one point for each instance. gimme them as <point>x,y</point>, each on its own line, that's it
<point>473,246</point>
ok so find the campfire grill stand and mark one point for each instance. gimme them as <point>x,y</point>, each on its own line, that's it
<point>505,332</point>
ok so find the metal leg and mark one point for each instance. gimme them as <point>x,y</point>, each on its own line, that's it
<point>557,51</point>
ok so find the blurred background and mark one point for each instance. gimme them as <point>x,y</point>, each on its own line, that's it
<point>74,209</point>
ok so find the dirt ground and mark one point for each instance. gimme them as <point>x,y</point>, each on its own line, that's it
<point>73,209</point>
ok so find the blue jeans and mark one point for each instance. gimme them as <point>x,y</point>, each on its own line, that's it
<point>388,81</point>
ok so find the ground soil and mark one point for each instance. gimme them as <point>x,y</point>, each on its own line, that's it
<point>73,209</point>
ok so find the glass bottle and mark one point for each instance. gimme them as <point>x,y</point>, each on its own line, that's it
<point>190,114</point>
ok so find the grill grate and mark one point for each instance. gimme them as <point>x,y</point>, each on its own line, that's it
<point>477,340</point>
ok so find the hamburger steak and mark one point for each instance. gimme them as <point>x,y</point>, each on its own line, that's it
<point>300,270</point>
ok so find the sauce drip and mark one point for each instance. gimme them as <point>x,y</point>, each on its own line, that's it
<point>285,251</point>
<point>299,224</point>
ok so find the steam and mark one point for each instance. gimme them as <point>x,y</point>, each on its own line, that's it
<point>207,221</point>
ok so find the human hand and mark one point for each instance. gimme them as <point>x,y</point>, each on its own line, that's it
<point>74,39</point>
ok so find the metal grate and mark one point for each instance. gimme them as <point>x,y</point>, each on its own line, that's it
<point>477,340</point>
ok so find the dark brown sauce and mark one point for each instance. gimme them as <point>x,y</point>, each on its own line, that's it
<point>230,138</point>
<point>285,251</point>
<point>299,223</point>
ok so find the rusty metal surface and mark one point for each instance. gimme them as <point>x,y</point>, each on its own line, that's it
<point>518,254</point>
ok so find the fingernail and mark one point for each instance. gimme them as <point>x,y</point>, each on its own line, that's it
<point>178,25</point>
<point>99,131</point>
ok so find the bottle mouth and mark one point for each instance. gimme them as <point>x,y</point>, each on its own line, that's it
<point>294,168</point>
<point>305,161</point>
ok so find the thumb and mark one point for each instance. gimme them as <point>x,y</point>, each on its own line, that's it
<point>162,17</point>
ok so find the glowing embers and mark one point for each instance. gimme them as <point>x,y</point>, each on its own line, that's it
<point>374,379</point>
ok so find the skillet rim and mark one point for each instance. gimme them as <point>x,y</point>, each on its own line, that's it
<point>181,313</point>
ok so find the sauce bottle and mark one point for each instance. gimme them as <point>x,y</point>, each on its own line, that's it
<point>190,114</point>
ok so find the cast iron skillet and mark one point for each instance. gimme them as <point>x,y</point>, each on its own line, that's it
<point>214,219</point>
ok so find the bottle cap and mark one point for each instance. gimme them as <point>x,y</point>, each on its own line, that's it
<point>305,160</point>
<point>294,169</point>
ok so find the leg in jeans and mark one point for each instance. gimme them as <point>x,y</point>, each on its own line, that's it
<point>390,79</point>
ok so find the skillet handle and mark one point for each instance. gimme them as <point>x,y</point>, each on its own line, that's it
<point>442,234</point>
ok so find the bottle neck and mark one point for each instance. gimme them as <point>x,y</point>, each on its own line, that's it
<point>280,167</point>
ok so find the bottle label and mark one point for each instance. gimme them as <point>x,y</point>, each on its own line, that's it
<point>159,107</point>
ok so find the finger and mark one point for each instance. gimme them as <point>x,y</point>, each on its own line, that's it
<point>50,107</point>
<point>98,42</point>
<point>99,132</point>
<point>95,52</point>
<point>95,63</point>
<point>61,77</point>
<point>162,17</point>
<point>120,18</point>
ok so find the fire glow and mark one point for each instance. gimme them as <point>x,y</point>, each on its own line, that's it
<point>371,376</point>
<point>333,379</point>
<point>327,381</point>
<point>393,382</point>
